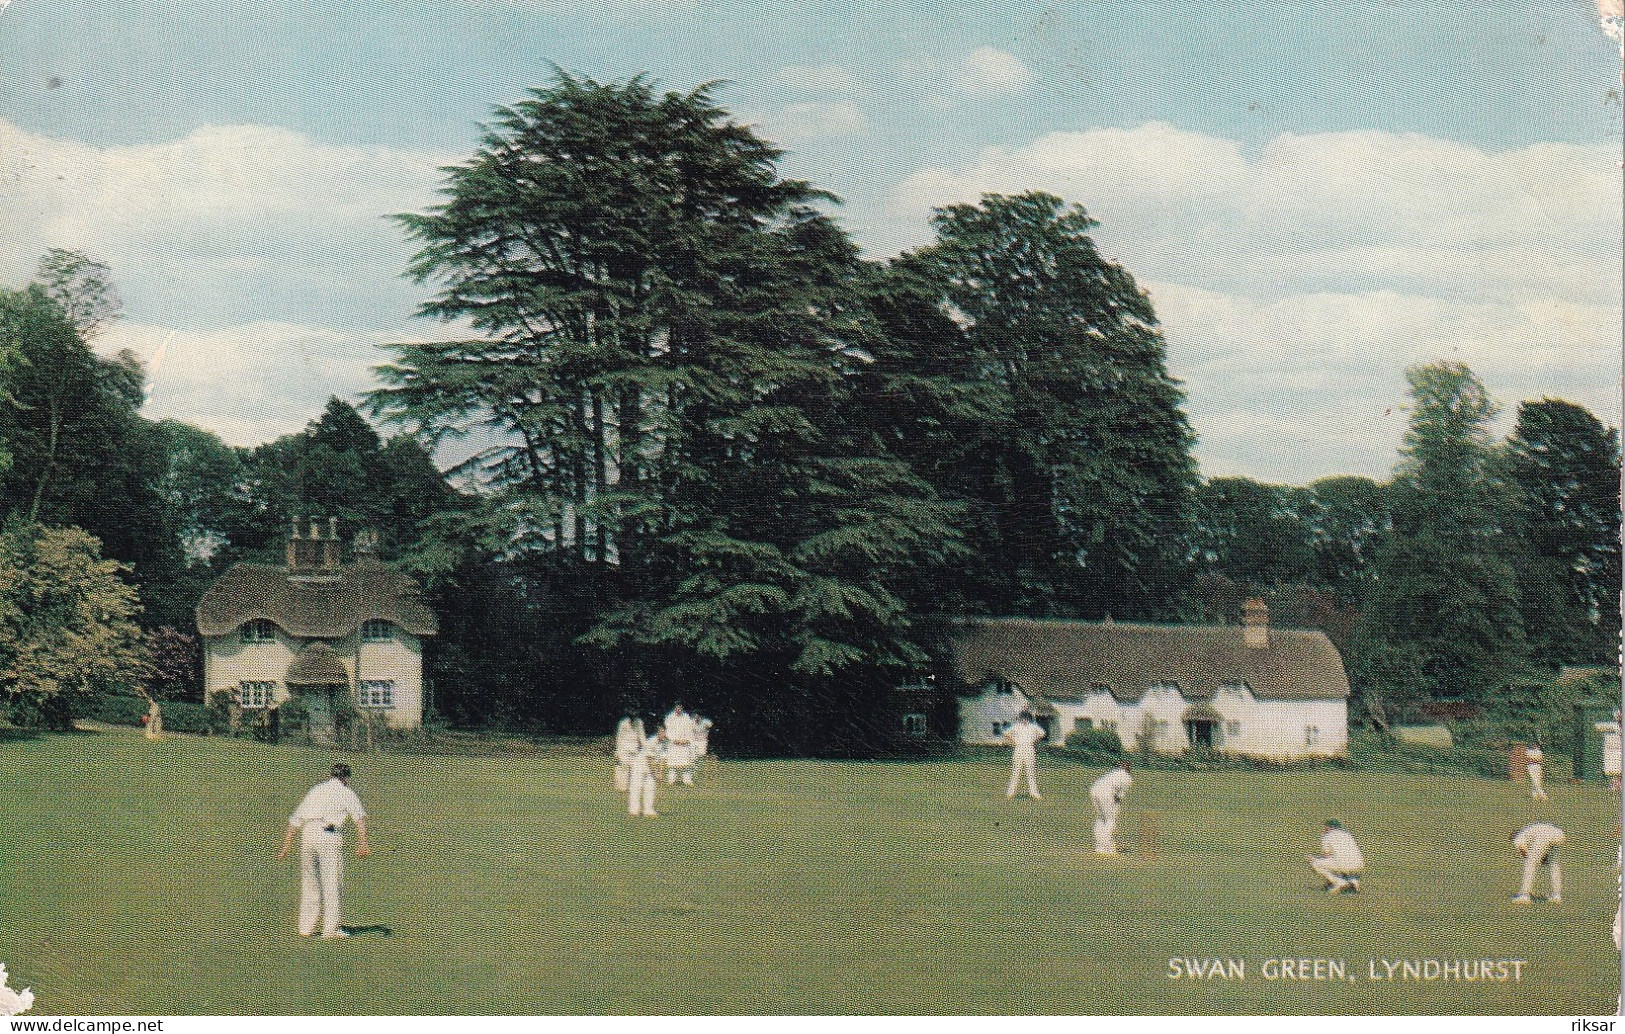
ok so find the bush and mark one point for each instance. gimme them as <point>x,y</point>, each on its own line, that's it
<point>1385,754</point>
<point>117,710</point>
<point>293,717</point>
<point>220,713</point>
<point>186,716</point>
<point>31,712</point>
<point>1094,746</point>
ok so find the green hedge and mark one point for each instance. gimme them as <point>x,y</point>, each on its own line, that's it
<point>1373,753</point>
<point>179,715</point>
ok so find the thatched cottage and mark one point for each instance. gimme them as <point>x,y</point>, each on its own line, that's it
<point>327,631</point>
<point>1251,690</point>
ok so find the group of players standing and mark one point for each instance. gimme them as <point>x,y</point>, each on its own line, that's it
<point>640,756</point>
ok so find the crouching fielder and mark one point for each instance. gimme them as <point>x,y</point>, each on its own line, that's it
<point>1538,843</point>
<point>1340,862</point>
<point>1107,794</point>
<point>319,821</point>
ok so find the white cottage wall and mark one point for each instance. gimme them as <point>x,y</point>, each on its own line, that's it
<point>229,662</point>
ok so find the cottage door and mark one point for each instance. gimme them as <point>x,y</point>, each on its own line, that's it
<point>319,706</point>
<point>1201,734</point>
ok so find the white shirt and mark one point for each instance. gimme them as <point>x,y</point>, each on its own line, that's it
<point>627,739</point>
<point>328,804</point>
<point>1024,734</point>
<point>1113,784</point>
<point>1339,848</point>
<point>1533,756</point>
<point>1537,834</point>
<point>680,728</point>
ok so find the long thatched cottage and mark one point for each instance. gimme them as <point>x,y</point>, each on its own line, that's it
<point>1251,690</point>
<point>336,635</point>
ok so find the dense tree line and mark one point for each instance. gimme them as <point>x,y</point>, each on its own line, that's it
<point>735,462</point>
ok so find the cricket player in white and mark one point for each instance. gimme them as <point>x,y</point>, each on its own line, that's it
<point>629,739</point>
<point>1107,794</point>
<point>681,733</point>
<point>642,780</point>
<point>1024,736</point>
<point>1340,862</point>
<point>319,821</point>
<point>1537,771</point>
<point>1538,843</point>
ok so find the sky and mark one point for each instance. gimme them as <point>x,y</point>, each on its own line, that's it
<point>1316,195</point>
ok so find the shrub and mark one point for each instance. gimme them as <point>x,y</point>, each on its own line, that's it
<point>118,710</point>
<point>1094,746</point>
<point>1384,754</point>
<point>293,717</point>
<point>221,706</point>
<point>186,716</point>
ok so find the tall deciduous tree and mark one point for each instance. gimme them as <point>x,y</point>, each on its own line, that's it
<point>1088,493</point>
<point>1564,465</point>
<point>1442,619</point>
<point>67,623</point>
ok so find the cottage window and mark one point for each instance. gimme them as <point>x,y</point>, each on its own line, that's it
<point>255,695</point>
<point>1109,724</point>
<point>1232,728</point>
<point>378,693</point>
<point>999,727</point>
<point>259,632</point>
<point>377,631</point>
<point>914,724</point>
<point>1311,735</point>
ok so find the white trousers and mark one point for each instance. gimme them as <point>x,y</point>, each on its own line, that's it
<point>680,758</point>
<point>321,873</point>
<point>1025,759</point>
<point>640,793</point>
<point>1542,850</point>
<point>1331,873</point>
<point>1106,809</point>
<point>1537,778</point>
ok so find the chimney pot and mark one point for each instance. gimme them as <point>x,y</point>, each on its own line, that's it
<point>1255,623</point>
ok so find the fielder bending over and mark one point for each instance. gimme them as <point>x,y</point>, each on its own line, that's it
<point>1107,793</point>
<point>1538,843</point>
<point>319,821</point>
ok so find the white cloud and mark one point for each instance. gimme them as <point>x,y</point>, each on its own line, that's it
<point>222,216</point>
<point>1311,385</point>
<point>988,70</point>
<point>249,383</point>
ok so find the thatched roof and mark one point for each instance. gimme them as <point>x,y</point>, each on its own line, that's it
<point>317,665</point>
<point>1067,659</point>
<point>328,606</point>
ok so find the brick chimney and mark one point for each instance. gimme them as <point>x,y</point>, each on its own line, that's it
<point>1255,623</point>
<point>315,550</point>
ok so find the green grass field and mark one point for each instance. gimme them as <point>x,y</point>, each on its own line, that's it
<point>138,877</point>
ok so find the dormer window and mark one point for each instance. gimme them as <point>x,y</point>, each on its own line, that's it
<point>260,631</point>
<point>377,631</point>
